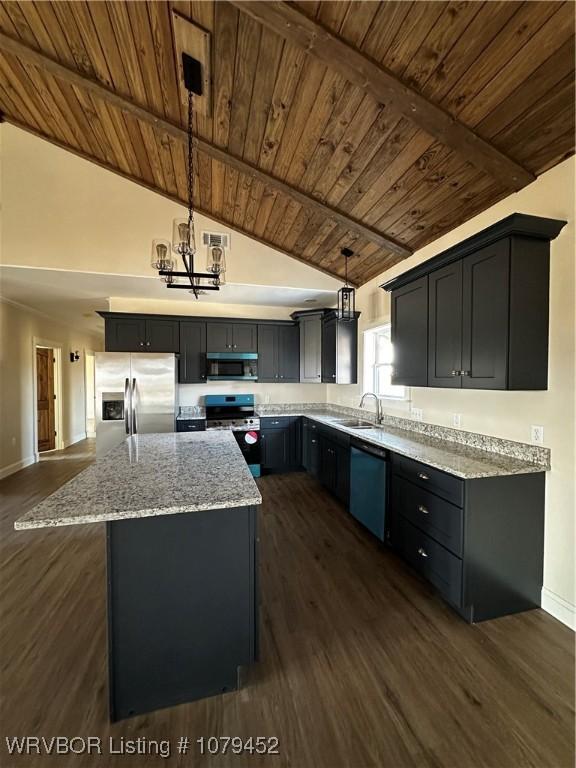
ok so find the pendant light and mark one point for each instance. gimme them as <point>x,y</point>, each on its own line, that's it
<point>346,295</point>
<point>183,233</point>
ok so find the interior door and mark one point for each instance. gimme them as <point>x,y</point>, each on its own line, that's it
<point>45,399</point>
<point>153,392</point>
<point>445,326</point>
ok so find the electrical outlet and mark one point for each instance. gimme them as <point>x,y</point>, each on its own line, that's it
<point>456,419</point>
<point>537,434</point>
<point>417,414</point>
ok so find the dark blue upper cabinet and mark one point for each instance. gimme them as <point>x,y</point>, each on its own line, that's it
<point>476,316</point>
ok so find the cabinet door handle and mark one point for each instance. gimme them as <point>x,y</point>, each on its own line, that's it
<point>422,476</point>
<point>455,373</point>
<point>464,373</point>
<point>235,345</point>
<point>422,509</point>
<point>313,441</point>
<point>147,343</point>
<point>422,552</point>
<point>141,343</point>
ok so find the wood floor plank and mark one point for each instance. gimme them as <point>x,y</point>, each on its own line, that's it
<point>362,665</point>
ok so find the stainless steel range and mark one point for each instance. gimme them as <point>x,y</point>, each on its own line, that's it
<point>236,413</point>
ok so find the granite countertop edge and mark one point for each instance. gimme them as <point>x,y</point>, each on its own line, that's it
<point>137,514</point>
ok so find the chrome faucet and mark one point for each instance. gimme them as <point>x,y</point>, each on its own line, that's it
<point>378,406</point>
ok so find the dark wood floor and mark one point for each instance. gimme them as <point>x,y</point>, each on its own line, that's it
<point>361,664</point>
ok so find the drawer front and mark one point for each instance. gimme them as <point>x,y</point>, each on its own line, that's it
<point>277,422</point>
<point>190,425</point>
<point>441,483</point>
<point>433,561</point>
<point>433,515</point>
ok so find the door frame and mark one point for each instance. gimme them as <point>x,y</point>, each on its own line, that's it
<point>56,347</point>
<point>89,353</point>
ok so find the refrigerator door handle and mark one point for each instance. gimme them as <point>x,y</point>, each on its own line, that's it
<point>127,406</point>
<point>133,407</point>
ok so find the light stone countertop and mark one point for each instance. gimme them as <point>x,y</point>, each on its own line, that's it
<point>463,461</point>
<point>149,475</point>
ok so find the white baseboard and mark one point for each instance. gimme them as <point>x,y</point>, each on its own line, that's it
<point>559,608</point>
<point>75,439</point>
<point>11,468</point>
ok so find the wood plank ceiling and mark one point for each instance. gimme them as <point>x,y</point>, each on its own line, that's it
<point>300,152</point>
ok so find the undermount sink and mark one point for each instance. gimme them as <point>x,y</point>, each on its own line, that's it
<point>355,424</point>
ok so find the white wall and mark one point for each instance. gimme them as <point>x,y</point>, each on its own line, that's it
<point>510,414</point>
<point>18,328</point>
<point>78,216</point>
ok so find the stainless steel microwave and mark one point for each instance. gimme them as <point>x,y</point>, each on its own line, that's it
<point>231,366</point>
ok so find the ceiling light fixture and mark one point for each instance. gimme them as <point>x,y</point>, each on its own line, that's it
<point>183,233</point>
<point>346,294</point>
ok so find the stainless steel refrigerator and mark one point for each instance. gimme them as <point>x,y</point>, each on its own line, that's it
<point>134,393</point>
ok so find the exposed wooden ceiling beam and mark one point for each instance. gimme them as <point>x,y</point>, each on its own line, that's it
<point>290,23</point>
<point>21,51</point>
<point>174,198</point>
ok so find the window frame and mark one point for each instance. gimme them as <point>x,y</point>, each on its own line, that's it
<point>371,367</point>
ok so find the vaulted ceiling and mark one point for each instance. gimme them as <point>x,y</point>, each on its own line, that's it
<point>372,125</point>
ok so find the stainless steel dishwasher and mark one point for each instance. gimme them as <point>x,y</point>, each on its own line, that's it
<point>368,486</point>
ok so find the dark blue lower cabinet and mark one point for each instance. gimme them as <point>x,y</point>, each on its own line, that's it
<point>334,463</point>
<point>182,607</point>
<point>479,541</point>
<point>281,443</point>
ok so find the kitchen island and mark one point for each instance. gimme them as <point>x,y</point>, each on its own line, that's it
<point>181,515</point>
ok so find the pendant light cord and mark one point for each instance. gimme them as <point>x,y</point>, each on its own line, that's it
<point>191,232</point>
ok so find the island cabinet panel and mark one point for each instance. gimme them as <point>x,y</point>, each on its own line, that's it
<point>182,607</point>
<point>409,307</point>
<point>479,541</point>
<point>227,337</point>
<point>192,363</point>
<point>445,326</point>
<point>278,353</point>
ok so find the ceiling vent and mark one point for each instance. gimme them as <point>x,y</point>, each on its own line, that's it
<point>212,239</point>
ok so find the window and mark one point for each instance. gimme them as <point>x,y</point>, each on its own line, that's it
<point>378,362</point>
